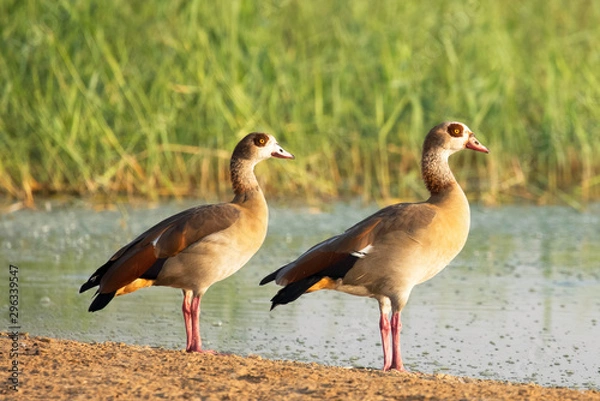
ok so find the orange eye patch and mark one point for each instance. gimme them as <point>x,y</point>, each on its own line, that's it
<point>260,140</point>
<point>455,130</point>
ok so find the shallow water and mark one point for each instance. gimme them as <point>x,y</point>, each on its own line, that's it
<point>519,303</point>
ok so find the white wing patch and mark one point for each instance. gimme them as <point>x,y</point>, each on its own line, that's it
<point>362,252</point>
<point>155,240</point>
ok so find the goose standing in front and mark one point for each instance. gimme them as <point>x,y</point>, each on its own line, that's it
<point>387,254</point>
<point>197,247</point>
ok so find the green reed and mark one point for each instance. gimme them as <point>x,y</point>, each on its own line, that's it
<point>149,98</point>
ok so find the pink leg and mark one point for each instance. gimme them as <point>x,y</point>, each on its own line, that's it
<point>384,328</point>
<point>186,308</point>
<point>196,340</point>
<point>396,329</point>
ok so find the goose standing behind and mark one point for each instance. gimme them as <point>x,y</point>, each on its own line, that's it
<point>198,247</point>
<point>387,254</point>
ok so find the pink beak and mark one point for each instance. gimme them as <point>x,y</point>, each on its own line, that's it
<point>281,153</point>
<point>474,144</point>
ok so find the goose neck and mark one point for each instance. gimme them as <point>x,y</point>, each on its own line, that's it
<point>436,172</point>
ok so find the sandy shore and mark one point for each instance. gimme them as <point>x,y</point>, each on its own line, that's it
<point>54,369</point>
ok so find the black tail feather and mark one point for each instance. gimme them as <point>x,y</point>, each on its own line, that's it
<point>293,291</point>
<point>95,278</point>
<point>101,301</point>
<point>91,283</point>
<point>269,278</point>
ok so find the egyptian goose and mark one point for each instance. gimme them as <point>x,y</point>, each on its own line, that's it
<point>198,247</point>
<point>387,254</point>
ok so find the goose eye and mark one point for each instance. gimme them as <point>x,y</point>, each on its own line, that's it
<point>455,130</point>
<point>260,141</point>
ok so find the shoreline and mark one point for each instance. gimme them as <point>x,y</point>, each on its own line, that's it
<point>65,369</point>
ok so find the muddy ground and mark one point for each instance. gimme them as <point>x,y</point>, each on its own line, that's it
<point>53,369</point>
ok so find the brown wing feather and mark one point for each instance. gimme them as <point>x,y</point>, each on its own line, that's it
<point>401,217</point>
<point>164,240</point>
<point>202,222</point>
<point>128,268</point>
<point>329,252</point>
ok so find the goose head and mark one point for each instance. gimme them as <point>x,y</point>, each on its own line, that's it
<point>259,146</point>
<point>451,137</point>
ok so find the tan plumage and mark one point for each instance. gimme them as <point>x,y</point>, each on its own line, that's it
<point>197,247</point>
<point>387,254</point>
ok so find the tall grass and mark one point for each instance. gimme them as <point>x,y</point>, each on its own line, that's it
<point>148,98</point>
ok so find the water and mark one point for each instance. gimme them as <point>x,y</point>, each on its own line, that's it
<point>520,303</point>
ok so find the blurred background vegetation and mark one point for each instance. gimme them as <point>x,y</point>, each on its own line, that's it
<point>148,98</point>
